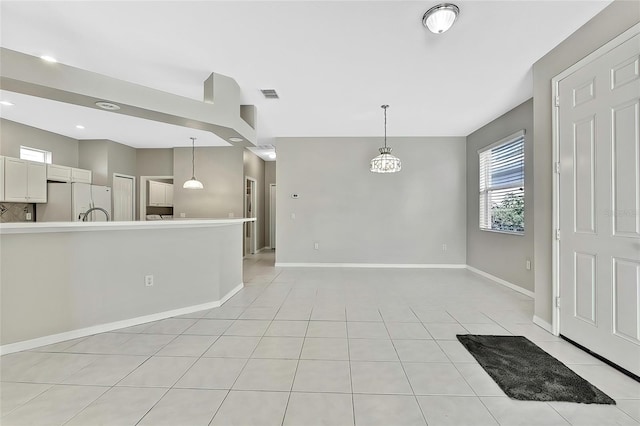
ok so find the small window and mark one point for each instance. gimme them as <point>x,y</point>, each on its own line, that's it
<point>33,154</point>
<point>502,185</point>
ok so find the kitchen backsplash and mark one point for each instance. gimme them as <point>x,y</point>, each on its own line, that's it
<point>16,212</point>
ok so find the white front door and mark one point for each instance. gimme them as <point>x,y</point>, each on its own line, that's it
<point>599,205</point>
<point>123,193</point>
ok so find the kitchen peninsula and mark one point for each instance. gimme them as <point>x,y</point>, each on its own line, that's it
<point>63,280</point>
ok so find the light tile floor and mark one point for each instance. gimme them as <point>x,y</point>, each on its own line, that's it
<point>307,347</point>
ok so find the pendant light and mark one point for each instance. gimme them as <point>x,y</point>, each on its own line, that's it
<point>385,162</point>
<point>440,18</point>
<point>193,183</point>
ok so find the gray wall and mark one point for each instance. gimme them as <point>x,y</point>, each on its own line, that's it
<point>254,168</point>
<point>612,21</point>
<point>94,155</point>
<point>104,158</point>
<point>269,178</point>
<point>76,287</point>
<point>360,217</point>
<point>122,159</point>
<point>502,255</point>
<point>64,150</point>
<point>154,162</point>
<point>220,169</point>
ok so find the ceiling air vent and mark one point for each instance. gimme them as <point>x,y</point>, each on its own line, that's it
<point>270,93</point>
<point>266,147</point>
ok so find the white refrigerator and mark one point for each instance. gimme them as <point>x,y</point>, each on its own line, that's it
<point>69,201</point>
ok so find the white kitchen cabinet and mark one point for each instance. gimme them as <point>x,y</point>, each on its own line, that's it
<point>25,181</point>
<point>160,194</point>
<point>80,175</point>
<point>1,178</point>
<point>168,194</point>
<point>58,173</point>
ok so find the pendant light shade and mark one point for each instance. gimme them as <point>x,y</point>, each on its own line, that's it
<point>385,162</point>
<point>193,183</point>
<point>440,18</point>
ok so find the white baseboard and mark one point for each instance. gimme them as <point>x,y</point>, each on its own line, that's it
<point>501,281</point>
<point>229,295</point>
<point>542,324</point>
<point>102,328</point>
<point>372,265</point>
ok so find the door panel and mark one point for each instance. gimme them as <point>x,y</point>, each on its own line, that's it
<point>599,205</point>
<point>626,165</point>
<point>584,161</point>
<point>626,287</point>
<point>585,287</point>
<point>122,198</point>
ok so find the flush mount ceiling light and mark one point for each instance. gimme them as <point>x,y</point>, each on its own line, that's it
<point>108,105</point>
<point>79,126</point>
<point>440,18</point>
<point>272,155</point>
<point>235,139</point>
<point>193,183</point>
<point>385,162</point>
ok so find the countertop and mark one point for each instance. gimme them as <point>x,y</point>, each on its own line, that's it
<point>44,227</point>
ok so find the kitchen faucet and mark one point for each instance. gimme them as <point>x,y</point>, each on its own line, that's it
<point>85,214</point>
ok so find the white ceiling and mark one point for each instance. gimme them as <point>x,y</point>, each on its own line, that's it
<point>332,62</point>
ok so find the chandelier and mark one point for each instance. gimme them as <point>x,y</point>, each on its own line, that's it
<point>385,162</point>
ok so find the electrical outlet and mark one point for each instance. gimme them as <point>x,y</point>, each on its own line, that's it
<point>444,247</point>
<point>148,280</point>
<point>28,216</point>
<point>316,246</point>
<point>231,215</point>
<point>293,216</point>
<point>528,265</point>
<point>183,215</point>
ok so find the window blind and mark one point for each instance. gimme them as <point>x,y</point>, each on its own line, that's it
<point>502,185</point>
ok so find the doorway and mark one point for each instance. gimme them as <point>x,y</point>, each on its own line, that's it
<point>124,206</point>
<point>150,210</point>
<point>272,216</point>
<point>250,209</point>
<point>597,191</point>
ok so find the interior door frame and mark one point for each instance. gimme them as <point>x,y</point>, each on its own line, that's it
<point>143,193</point>
<point>272,217</point>
<point>555,144</point>
<point>133,195</point>
<point>254,199</point>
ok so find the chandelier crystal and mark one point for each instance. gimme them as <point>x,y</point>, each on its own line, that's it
<point>385,162</point>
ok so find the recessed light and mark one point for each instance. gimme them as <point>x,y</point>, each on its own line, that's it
<point>48,58</point>
<point>79,126</point>
<point>108,105</point>
<point>272,155</point>
<point>235,139</point>
<point>6,103</point>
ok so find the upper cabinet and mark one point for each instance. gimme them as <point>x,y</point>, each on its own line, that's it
<point>80,175</point>
<point>24,181</point>
<point>160,194</point>
<point>58,173</point>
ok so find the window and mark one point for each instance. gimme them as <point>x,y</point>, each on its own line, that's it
<point>502,185</point>
<point>33,154</point>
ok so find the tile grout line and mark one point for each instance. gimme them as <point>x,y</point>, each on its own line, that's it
<point>415,397</point>
<point>353,403</point>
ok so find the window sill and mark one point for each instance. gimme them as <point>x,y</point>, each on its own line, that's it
<point>496,231</point>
